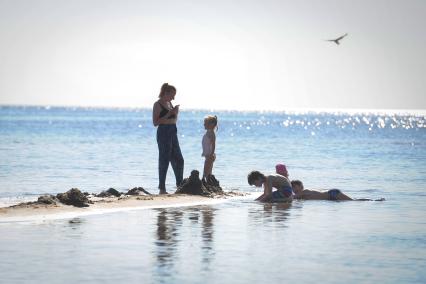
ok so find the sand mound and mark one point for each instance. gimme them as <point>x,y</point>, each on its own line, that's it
<point>195,186</point>
<point>73,197</point>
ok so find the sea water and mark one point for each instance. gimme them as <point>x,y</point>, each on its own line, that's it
<point>365,154</point>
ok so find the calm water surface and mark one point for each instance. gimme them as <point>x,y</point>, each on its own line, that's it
<point>49,150</point>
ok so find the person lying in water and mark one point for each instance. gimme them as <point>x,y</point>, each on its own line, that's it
<point>301,193</point>
<point>332,194</point>
<point>284,192</point>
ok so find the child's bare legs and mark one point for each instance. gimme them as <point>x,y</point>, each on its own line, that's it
<point>208,165</point>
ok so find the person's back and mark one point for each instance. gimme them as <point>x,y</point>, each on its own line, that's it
<point>306,194</point>
<point>283,186</point>
<point>278,181</point>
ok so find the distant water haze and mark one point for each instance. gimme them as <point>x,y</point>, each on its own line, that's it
<point>251,55</point>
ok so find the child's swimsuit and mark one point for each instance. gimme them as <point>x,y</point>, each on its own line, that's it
<point>207,146</point>
<point>282,193</point>
<point>333,194</point>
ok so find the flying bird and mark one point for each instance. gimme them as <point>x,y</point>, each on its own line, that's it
<point>337,40</point>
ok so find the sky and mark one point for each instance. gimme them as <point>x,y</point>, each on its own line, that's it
<point>221,54</point>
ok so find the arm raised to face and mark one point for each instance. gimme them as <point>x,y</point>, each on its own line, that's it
<point>166,119</point>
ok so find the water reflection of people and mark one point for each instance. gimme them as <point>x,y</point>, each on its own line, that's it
<point>207,235</point>
<point>168,233</point>
<point>276,213</point>
<point>207,229</point>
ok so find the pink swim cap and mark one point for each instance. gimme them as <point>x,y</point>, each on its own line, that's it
<point>281,169</point>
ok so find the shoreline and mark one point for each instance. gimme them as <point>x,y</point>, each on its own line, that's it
<point>37,212</point>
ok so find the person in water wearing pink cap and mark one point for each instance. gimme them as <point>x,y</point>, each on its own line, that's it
<point>281,169</point>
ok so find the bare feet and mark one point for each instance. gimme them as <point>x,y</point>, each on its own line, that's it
<point>163,191</point>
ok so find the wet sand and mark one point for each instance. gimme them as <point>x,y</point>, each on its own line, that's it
<point>28,212</point>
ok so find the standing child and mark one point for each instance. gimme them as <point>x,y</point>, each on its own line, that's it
<point>209,144</point>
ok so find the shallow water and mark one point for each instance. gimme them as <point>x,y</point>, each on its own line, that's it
<point>49,150</point>
<point>235,242</point>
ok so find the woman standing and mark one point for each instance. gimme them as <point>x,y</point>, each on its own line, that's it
<point>164,115</point>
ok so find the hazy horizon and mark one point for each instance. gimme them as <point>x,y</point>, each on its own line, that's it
<point>415,112</point>
<point>224,55</point>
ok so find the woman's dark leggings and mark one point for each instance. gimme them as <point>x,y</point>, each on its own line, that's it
<point>169,152</point>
